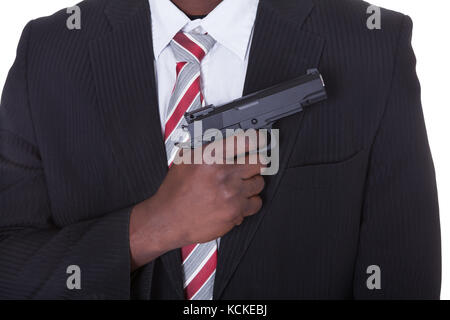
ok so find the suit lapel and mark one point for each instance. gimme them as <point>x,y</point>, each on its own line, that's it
<point>280,51</point>
<point>122,63</point>
<point>124,75</point>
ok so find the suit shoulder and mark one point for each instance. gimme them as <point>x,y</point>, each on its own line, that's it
<point>91,9</point>
<point>92,21</point>
<point>355,13</point>
<point>352,26</point>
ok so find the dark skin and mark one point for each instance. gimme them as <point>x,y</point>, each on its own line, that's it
<point>195,203</point>
<point>196,7</point>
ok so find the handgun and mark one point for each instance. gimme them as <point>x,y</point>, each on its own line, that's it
<point>259,110</point>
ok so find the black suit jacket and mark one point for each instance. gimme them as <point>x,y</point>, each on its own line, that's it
<point>80,144</point>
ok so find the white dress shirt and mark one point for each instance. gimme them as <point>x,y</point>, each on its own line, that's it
<point>224,69</point>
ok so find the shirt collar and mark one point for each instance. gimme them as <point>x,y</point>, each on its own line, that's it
<point>230,24</point>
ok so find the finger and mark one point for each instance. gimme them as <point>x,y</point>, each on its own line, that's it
<point>253,186</point>
<point>250,159</point>
<point>254,204</point>
<point>247,171</point>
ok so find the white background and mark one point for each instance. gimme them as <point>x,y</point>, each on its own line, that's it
<point>431,42</point>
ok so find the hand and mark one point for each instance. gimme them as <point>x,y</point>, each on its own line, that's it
<point>196,203</point>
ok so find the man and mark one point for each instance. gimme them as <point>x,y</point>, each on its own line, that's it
<point>84,125</point>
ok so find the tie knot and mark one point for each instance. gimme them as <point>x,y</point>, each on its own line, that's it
<point>191,47</point>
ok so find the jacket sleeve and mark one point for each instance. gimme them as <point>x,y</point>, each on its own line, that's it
<point>35,253</point>
<point>400,230</point>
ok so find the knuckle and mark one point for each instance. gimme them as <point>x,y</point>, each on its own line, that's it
<point>221,174</point>
<point>227,193</point>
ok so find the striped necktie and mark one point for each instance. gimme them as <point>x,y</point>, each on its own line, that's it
<point>199,261</point>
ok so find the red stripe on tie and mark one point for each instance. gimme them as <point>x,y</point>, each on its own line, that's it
<point>189,45</point>
<point>180,66</point>
<point>201,277</point>
<point>182,106</point>
<point>186,251</point>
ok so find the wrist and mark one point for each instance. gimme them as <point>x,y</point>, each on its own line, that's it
<point>149,233</point>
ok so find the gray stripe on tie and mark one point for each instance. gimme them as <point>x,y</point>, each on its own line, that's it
<point>181,53</point>
<point>184,79</point>
<point>204,39</point>
<point>206,292</point>
<point>198,256</point>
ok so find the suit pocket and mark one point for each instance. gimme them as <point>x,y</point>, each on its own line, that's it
<point>326,175</point>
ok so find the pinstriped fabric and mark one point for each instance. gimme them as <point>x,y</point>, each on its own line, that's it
<point>94,113</point>
<point>199,260</point>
